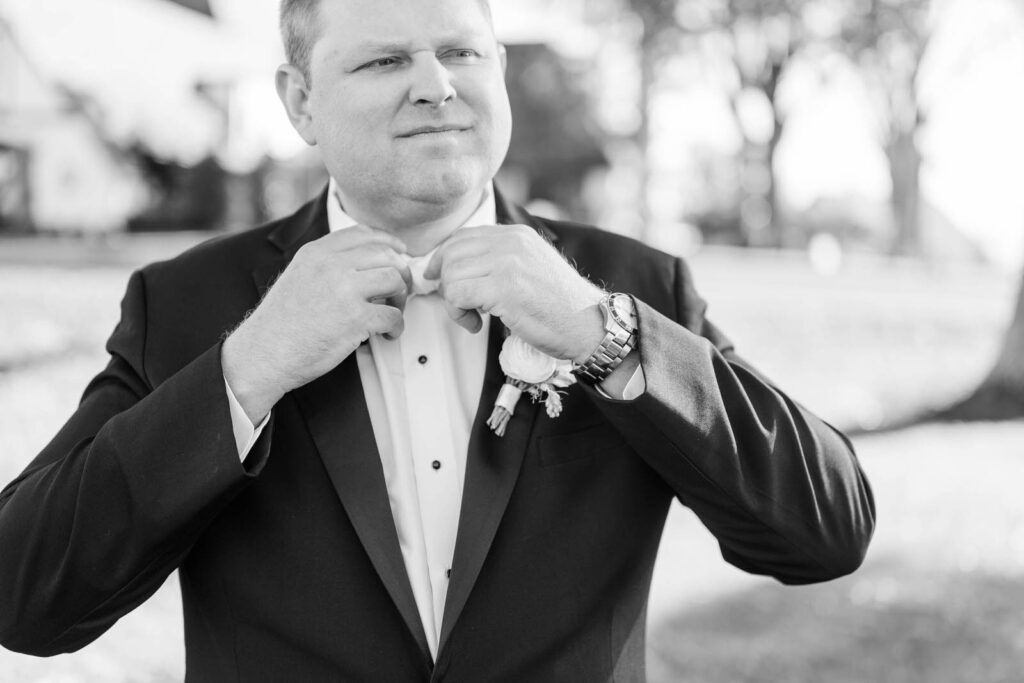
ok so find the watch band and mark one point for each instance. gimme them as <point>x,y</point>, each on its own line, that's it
<point>618,341</point>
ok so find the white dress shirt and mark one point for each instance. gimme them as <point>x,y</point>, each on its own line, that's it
<point>422,392</point>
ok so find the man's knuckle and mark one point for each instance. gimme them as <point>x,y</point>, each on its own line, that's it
<point>385,317</point>
<point>394,279</point>
<point>306,254</point>
<point>457,292</point>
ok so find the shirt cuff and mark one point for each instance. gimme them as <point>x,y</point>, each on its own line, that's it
<point>634,389</point>
<point>242,427</point>
<point>636,386</point>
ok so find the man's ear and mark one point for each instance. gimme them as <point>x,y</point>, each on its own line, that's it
<point>503,57</point>
<point>295,95</point>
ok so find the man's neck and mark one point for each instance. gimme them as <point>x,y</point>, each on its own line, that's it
<point>423,227</point>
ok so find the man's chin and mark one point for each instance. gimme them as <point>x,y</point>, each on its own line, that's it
<point>445,188</point>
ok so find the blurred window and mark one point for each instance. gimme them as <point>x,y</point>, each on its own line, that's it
<point>14,194</point>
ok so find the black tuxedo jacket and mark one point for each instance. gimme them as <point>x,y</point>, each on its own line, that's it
<point>290,566</point>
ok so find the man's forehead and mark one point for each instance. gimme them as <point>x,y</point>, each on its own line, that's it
<point>357,28</point>
<point>401,14</point>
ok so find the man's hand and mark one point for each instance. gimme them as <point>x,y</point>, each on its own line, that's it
<point>512,272</point>
<point>336,292</point>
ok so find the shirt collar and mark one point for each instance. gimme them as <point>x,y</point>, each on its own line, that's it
<point>337,219</point>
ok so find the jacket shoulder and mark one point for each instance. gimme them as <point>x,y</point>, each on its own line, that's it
<point>184,305</point>
<point>619,263</point>
<point>574,235</point>
<point>220,254</point>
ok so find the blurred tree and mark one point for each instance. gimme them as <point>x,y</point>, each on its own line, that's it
<point>1001,394</point>
<point>658,39</point>
<point>888,40</point>
<point>654,34</point>
<point>556,140</point>
<point>762,37</point>
<point>759,38</point>
<point>185,198</point>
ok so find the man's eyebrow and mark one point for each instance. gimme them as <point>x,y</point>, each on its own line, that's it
<point>378,47</point>
<point>374,47</point>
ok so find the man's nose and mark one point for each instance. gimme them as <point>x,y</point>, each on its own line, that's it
<point>431,83</point>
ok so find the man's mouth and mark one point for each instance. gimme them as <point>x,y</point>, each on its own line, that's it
<point>424,131</point>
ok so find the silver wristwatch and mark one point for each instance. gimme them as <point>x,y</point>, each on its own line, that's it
<point>620,326</point>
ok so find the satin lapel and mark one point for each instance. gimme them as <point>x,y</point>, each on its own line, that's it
<point>307,224</point>
<point>492,462</point>
<point>337,417</point>
<point>492,468</point>
<point>336,414</point>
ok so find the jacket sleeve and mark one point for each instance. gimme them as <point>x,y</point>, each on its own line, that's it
<point>111,506</point>
<point>780,489</point>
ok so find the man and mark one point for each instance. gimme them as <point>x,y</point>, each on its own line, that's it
<point>339,510</point>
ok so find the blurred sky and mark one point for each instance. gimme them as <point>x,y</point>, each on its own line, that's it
<point>140,56</point>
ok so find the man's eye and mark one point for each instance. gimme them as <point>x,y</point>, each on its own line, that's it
<point>383,62</point>
<point>463,54</point>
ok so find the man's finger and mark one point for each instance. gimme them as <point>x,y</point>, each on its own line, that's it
<point>381,283</point>
<point>461,244</point>
<point>396,330</point>
<point>468,319</point>
<point>379,256</point>
<point>387,321</point>
<point>406,272</point>
<point>370,256</point>
<point>433,269</point>
<point>398,300</point>
<point>359,235</point>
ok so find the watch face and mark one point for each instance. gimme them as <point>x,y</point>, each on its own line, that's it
<point>623,310</point>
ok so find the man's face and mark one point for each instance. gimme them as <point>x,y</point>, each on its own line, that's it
<point>408,102</point>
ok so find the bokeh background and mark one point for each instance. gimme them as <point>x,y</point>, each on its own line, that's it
<point>843,175</point>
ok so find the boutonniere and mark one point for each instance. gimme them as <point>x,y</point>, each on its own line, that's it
<point>528,370</point>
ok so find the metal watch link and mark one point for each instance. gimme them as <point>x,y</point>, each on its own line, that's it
<point>620,326</point>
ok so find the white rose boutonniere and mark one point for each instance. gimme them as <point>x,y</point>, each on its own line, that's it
<point>528,370</point>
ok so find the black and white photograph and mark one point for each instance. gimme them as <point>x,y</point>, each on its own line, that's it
<point>520,341</point>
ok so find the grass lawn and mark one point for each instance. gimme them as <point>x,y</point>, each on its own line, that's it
<point>940,598</point>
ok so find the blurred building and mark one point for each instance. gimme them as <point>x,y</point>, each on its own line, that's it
<point>556,143</point>
<point>170,121</point>
<point>58,167</point>
<point>102,128</point>
<point>161,114</point>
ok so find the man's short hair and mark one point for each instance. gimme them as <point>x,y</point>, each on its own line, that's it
<point>300,30</point>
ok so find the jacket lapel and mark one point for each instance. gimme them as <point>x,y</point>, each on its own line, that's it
<point>307,224</point>
<point>492,468</point>
<point>492,462</point>
<point>337,417</point>
<point>334,408</point>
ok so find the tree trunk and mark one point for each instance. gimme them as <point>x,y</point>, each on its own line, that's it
<point>777,231</point>
<point>643,134</point>
<point>905,172</point>
<point>757,208</point>
<point>760,216</point>
<point>1000,396</point>
<point>1001,393</point>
